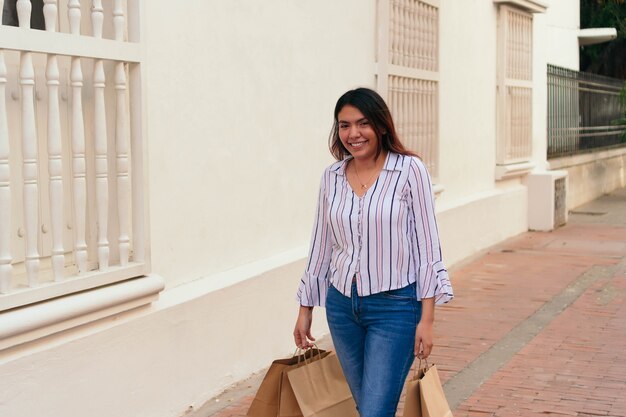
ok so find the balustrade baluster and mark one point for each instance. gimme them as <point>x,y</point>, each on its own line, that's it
<point>121,141</point>
<point>516,46</point>
<point>29,151</point>
<point>393,31</point>
<point>78,147</point>
<point>73,14</point>
<point>118,20</point>
<point>435,39</point>
<point>420,31</point>
<point>413,29</point>
<point>55,163</point>
<point>430,102</point>
<point>100,141</point>
<point>393,102</point>
<point>409,121</point>
<point>97,18</point>
<point>430,37</point>
<point>6,268</point>
<point>397,106</point>
<point>528,50</point>
<point>24,8</point>
<point>406,116</point>
<point>402,32</point>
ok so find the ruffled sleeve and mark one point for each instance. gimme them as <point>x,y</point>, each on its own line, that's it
<point>314,281</point>
<point>432,276</point>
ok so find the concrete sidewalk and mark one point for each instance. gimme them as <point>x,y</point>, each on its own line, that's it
<point>538,325</point>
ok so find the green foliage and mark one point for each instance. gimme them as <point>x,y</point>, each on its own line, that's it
<point>607,58</point>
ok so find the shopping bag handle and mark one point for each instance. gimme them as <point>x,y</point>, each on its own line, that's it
<point>419,367</point>
<point>302,352</point>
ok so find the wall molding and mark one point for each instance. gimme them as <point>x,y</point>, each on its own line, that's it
<point>39,320</point>
<point>532,6</point>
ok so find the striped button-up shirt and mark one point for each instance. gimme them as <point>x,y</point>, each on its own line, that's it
<point>386,239</point>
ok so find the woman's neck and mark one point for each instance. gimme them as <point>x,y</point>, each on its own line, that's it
<point>365,164</point>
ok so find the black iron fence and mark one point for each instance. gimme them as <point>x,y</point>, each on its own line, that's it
<point>586,112</point>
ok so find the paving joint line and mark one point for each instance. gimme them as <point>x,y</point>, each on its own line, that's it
<point>463,384</point>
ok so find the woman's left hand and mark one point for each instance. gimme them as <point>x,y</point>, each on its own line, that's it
<point>423,339</point>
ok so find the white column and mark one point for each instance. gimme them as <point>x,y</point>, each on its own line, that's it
<point>79,184</point>
<point>55,164</point>
<point>121,142</point>
<point>29,152</point>
<point>100,140</point>
<point>5,189</point>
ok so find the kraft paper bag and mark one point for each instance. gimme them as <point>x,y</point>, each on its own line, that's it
<point>266,402</point>
<point>412,402</point>
<point>432,398</point>
<point>287,404</point>
<point>321,389</point>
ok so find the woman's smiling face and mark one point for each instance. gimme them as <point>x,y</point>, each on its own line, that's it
<point>356,133</point>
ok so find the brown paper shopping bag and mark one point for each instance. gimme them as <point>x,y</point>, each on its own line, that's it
<point>432,398</point>
<point>321,389</point>
<point>266,402</point>
<point>412,402</point>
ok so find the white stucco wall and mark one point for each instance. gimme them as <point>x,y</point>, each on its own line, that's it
<point>240,106</point>
<point>467,99</point>
<point>561,33</point>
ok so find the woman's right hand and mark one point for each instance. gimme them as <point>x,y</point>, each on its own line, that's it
<point>302,331</point>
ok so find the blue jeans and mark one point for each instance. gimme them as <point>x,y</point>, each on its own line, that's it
<point>374,338</point>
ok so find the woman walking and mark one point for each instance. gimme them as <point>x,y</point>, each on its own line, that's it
<point>375,260</point>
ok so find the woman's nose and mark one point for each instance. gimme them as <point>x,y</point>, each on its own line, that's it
<point>354,131</point>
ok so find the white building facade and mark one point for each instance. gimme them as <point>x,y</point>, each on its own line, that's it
<point>159,165</point>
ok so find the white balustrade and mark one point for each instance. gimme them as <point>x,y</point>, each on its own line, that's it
<point>79,183</point>
<point>5,188</point>
<point>121,141</point>
<point>82,206</point>
<point>100,143</point>
<point>55,163</point>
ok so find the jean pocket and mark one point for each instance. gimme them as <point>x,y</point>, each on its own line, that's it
<point>405,293</point>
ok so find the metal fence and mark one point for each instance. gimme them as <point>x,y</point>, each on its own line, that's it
<point>585,112</point>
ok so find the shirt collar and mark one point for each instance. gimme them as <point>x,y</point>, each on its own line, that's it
<point>392,163</point>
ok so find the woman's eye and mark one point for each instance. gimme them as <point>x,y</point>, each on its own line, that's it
<point>343,126</point>
<point>364,123</point>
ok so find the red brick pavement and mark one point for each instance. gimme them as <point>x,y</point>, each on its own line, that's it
<point>575,366</point>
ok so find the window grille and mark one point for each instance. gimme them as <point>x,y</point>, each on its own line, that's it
<point>514,86</point>
<point>408,65</point>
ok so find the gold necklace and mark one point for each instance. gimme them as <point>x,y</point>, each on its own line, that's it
<point>363,185</point>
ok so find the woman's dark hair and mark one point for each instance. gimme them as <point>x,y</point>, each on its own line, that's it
<point>375,110</point>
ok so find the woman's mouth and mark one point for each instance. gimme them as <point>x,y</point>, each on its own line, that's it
<point>357,145</point>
